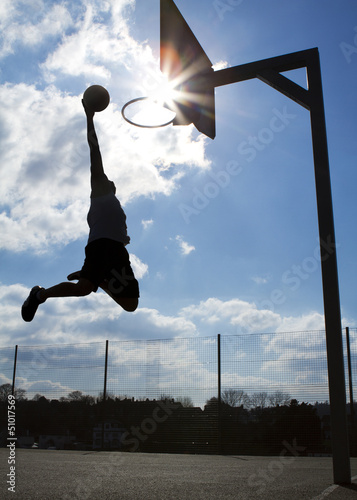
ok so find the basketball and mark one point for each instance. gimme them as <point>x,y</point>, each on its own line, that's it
<point>96,98</point>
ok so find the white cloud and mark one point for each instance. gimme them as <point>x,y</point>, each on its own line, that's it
<point>147,223</point>
<point>185,247</point>
<point>88,319</point>
<point>261,280</point>
<point>220,65</point>
<point>97,49</point>
<point>140,268</point>
<point>7,10</point>
<point>164,326</point>
<point>52,390</point>
<point>306,322</point>
<point>82,52</point>
<point>217,309</point>
<point>247,318</point>
<point>30,25</point>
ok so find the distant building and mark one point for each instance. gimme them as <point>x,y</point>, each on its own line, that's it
<point>51,441</point>
<point>112,435</point>
<point>25,441</point>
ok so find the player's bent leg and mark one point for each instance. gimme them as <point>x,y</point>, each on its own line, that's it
<point>129,304</point>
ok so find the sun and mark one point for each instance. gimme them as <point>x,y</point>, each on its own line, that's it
<point>157,108</point>
<point>174,100</point>
<point>165,93</point>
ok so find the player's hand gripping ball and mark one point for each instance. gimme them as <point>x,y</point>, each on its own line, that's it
<point>96,98</point>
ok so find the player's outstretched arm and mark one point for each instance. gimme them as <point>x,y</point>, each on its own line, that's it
<point>95,155</point>
<point>99,181</point>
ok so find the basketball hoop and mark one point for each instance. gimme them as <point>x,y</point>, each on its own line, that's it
<point>135,121</point>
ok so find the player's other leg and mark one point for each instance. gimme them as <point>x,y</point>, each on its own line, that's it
<point>39,295</point>
<point>66,289</point>
<point>29,307</point>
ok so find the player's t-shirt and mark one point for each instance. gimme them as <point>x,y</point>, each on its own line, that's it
<point>106,219</point>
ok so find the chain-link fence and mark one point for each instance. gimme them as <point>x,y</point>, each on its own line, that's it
<point>238,394</point>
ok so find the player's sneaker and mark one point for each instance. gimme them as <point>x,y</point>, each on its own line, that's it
<point>31,304</point>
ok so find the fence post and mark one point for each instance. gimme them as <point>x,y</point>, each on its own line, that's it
<point>104,389</point>
<point>219,398</point>
<point>14,372</point>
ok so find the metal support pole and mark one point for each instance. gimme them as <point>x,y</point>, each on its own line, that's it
<point>352,410</point>
<point>104,389</point>
<point>269,71</point>
<point>333,323</point>
<point>353,443</point>
<point>219,395</point>
<point>14,372</point>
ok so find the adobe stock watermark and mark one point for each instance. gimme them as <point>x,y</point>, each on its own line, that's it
<point>11,445</point>
<point>276,467</point>
<point>225,6</point>
<point>248,151</point>
<point>349,50</point>
<point>202,197</point>
<point>292,278</point>
<point>280,120</point>
<point>299,273</point>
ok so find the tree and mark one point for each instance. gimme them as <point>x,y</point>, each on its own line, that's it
<point>235,397</point>
<point>100,397</point>
<point>165,397</point>
<point>78,396</point>
<point>259,400</point>
<point>37,397</point>
<point>6,390</point>
<point>211,403</point>
<point>279,398</point>
<point>75,396</point>
<point>186,401</point>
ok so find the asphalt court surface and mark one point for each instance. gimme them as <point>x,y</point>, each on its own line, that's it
<point>86,475</point>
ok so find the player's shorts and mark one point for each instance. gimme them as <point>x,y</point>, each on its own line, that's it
<point>108,260</point>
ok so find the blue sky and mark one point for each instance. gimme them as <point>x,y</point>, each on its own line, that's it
<point>223,239</point>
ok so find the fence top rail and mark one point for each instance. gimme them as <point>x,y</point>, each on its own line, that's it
<point>173,339</point>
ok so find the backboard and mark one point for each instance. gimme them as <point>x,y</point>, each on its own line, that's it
<point>189,70</point>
